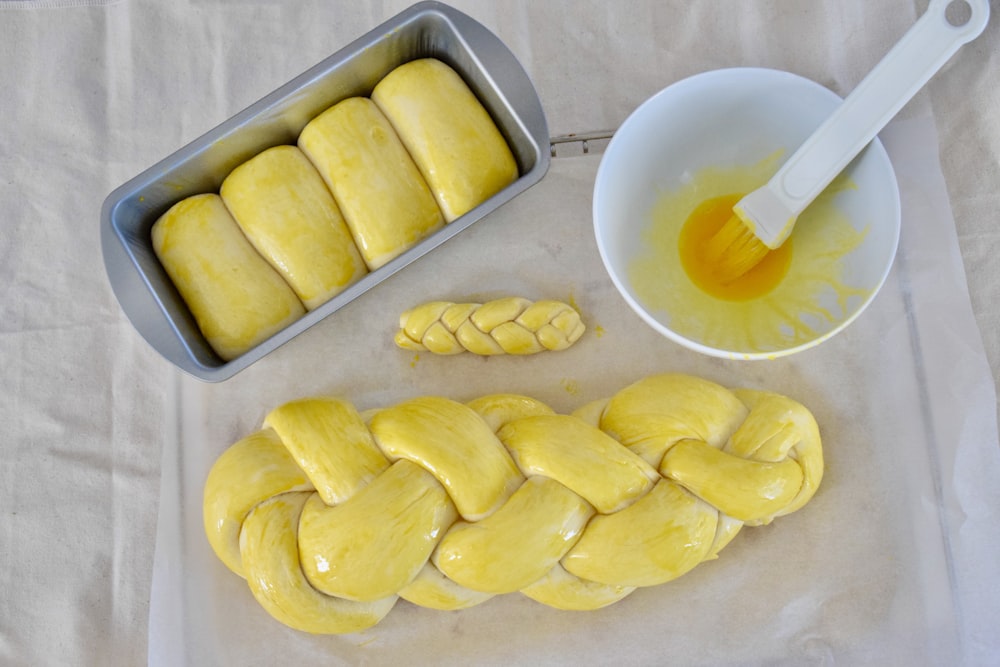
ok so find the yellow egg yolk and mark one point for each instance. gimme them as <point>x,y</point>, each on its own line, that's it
<point>795,301</point>
<point>705,222</point>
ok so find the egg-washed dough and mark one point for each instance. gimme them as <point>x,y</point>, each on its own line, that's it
<point>384,199</point>
<point>374,203</point>
<point>235,296</point>
<point>512,325</point>
<point>332,516</point>
<point>449,133</point>
<point>282,205</point>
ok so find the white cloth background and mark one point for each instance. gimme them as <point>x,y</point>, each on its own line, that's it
<point>93,93</point>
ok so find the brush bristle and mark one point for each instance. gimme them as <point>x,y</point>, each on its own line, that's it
<point>734,250</point>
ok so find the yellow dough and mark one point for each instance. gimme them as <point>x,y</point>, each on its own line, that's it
<point>297,225</point>
<point>262,457</point>
<point>379,189</point>
<point>448,504</point>
<point>449,133</point>
<point>235,296</point>
<point>282,205</point>
<point>269,548</point>
<point>433,590</point>
<point>503,326</point>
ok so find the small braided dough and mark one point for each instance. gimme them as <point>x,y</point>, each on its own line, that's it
<point>503,326</point>
<point>332,515</point>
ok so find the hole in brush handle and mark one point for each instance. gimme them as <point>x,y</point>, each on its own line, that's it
<point>958,13</point>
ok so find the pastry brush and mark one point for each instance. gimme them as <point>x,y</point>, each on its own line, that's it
<point>764,218</point>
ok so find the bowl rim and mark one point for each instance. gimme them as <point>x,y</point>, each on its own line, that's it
<point>875,148</point>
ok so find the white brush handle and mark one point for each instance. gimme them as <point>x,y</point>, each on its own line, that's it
<point>921,52</point>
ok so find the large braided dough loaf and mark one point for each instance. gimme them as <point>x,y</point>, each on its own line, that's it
<point>331,515</point>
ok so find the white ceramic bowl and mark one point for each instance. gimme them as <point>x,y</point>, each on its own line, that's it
<point>738,126</point>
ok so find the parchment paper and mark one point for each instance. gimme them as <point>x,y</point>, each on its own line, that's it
<point>886,563</point>
<point>95,92</point>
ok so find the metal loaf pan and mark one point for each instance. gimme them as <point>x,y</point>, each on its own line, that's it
<point>426,29</point>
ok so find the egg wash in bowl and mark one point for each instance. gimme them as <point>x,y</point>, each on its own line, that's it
<point>668,181</point>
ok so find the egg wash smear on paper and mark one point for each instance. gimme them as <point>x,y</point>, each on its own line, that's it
<point>795,296</point>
